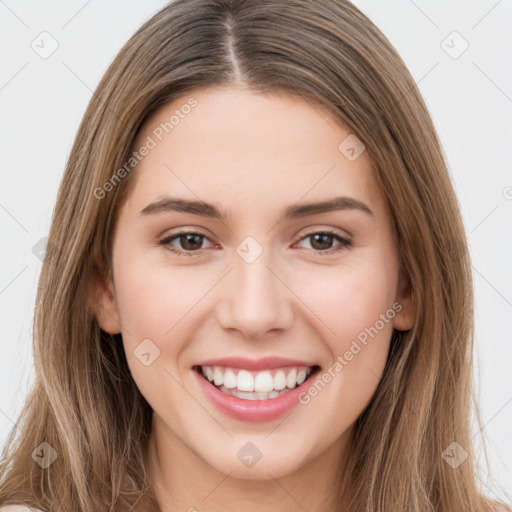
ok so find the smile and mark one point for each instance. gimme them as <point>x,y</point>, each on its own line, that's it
<point>252,385</point>
<point>261,390</point>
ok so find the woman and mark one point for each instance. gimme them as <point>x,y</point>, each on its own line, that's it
<point>316,352</point>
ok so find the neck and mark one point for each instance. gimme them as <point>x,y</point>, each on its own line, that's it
<point>182,481</point>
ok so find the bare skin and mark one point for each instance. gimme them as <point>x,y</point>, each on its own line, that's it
<point>252,156</point>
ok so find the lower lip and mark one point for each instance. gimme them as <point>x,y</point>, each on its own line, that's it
<point>253,410</point>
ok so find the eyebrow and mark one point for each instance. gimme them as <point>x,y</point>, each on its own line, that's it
<point>167,204</point>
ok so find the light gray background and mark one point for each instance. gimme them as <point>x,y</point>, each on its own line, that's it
<point>470,98</point>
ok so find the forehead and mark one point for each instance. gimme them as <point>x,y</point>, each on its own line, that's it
<point>234,145</point>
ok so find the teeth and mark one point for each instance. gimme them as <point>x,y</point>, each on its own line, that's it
<point>291,379</point>
<point>264,382</point>
<point>279,380</point>
<point>252,396</point>
<point>245,381</point>
<point>301,377</point>
<point>218,376</point>
<point>267,383</point>
<point>230,380</point>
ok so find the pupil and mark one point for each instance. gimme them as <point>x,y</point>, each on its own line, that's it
<point>325,236</point>
<point>188,241</point>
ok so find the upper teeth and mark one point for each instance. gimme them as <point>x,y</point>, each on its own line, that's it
<point>265,381</point>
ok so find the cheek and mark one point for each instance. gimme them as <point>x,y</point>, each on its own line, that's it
<point>359,303</point>
<point>351,298</point>
<point>156,304</point>
<point>155,299</point>
<point>354,304</point>
<point>160,303</point>
<point>355,312</point>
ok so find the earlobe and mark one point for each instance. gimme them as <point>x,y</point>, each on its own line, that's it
<point>103,301</point>
<point>405,318</point>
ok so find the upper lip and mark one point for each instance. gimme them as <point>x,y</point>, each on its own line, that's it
<point>265,363</point>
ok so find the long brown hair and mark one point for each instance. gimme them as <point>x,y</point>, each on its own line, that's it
<point>85,404</point>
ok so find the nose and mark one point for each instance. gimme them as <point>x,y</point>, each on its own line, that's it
<point>256,299</point>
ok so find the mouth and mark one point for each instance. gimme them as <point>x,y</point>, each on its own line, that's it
<point>256,385</point>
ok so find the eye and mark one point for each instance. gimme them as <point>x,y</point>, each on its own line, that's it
<point>321,242</point>
<point>190,242</point>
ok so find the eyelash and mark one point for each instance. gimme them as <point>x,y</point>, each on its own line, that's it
<point>344,242</point>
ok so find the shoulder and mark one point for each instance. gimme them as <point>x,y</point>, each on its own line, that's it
<point>500,507</point>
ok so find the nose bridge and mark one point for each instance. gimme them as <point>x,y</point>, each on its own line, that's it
<point>257,300</point>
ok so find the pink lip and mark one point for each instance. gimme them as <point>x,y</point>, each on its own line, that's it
<point>253,410</point>
<point>265,363</point>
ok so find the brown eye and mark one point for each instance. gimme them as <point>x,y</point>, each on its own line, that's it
<point>189,243</point>
<point>321,242</point>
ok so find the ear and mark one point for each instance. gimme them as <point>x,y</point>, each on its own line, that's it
<point>404,319</point>
<point>103,300</point>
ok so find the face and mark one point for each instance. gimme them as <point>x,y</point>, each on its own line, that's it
<point>263,294</point>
